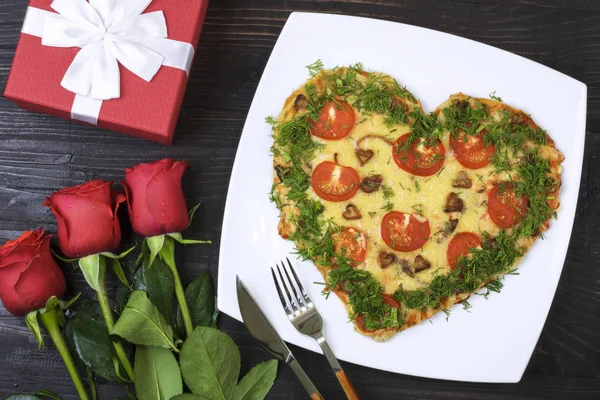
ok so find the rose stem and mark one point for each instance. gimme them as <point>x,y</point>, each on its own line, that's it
<point>109,319</point>
<point>50,321</point>
<point>167,254</point>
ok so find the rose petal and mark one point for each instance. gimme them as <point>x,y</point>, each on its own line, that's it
<point>40,281</point>
<point>98,190</point>
<point>27,238</point>
<point>165,200</point>
<point>119,198</point>
<point>9,275</point>
<point>88,224</point>
<point>136,182</point>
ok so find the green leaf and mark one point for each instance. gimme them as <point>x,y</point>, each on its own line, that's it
<point>141,323</point>
<point>155,244</point>
<point>61,258</point>
<point>66,304</point>
<point>34,326</point>
<point>186,396</point>
<point>192,212</point>
<point>90,339</point>
<point>157,375</point>
<point>157,282</point>
<point>90,266</point>
<point>167,252</point>
<point>142,254</point>
<point>257,382</point>
<point>180,239</point>
<point>123,292</point>
<point>53,304</point>
<point>116,266</point>
<point>48,393</point>
<point>210,364</point>
<point>119,256</point>
<point>200,298</point>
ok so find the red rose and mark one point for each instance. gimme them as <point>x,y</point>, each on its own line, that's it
<point>155,198</point>
<point>87,218</point>
<point>28,273</point>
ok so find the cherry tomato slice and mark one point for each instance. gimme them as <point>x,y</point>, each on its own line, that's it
<point>390,301</point>
<point>404,232</point>
<point>471,150</point>
<point>334,182</point>
<point>504,207</point>
<point>351,243</point>
<point>336,121</point>
<point>419,159</point>
<point>359,323</point>
<point>460,245</point>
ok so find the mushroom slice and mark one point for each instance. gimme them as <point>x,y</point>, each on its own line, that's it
<point>371,183</point>
<point>453,203</point>
<point>363,156</point>
<point>301,103</point>
<point>448,228</point>
<point>462,180</point>
<point>386,259</point>
<point>421,264</point>
<point>407,267</point>
<point>351,212</point>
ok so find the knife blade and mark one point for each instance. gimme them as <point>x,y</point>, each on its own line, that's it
<point>261,329</point>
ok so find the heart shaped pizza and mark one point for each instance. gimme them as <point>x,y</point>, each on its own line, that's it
<point>407,213</point>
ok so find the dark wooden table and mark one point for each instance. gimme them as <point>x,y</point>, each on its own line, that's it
<point>40,154</point>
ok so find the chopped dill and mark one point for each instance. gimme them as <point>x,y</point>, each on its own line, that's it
<point>388,207</point>
<point>388,192</point>
<point>494,97</point>
<point>315,68</point>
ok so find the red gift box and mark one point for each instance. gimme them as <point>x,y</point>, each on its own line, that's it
<point>144,109</point>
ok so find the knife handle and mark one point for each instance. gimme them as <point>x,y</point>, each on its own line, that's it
<point>304,379</point>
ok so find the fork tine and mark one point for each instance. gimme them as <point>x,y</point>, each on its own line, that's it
<point>281,298</point>
<point>304,294</point>
<point>287,292</point>
<point>299,298</point>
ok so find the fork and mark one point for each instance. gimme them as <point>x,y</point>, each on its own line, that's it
<point>306,319</point>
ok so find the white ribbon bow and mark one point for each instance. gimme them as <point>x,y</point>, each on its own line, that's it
<point>110,32</point>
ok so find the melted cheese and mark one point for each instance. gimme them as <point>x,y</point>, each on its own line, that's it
<point>426,194</point>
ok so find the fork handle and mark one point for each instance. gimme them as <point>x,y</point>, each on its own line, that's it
<point>337,368</point>
<point>346,385</point>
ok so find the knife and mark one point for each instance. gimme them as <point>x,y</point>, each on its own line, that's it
<point>261,329</point>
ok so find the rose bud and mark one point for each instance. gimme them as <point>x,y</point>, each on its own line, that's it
<point>155,197</point>
<point>87,218</point>
<point>28,273</point>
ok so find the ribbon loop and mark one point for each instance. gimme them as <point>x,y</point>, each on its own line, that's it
<point>141,27</point>
<point>109,32</point>
<point>61,32</point>
<point>78,11</point>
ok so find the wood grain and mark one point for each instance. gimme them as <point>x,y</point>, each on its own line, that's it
<point>347,385</point>
<point>40,154</point>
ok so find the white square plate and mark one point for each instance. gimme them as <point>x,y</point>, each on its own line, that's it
<point>432,65</point>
